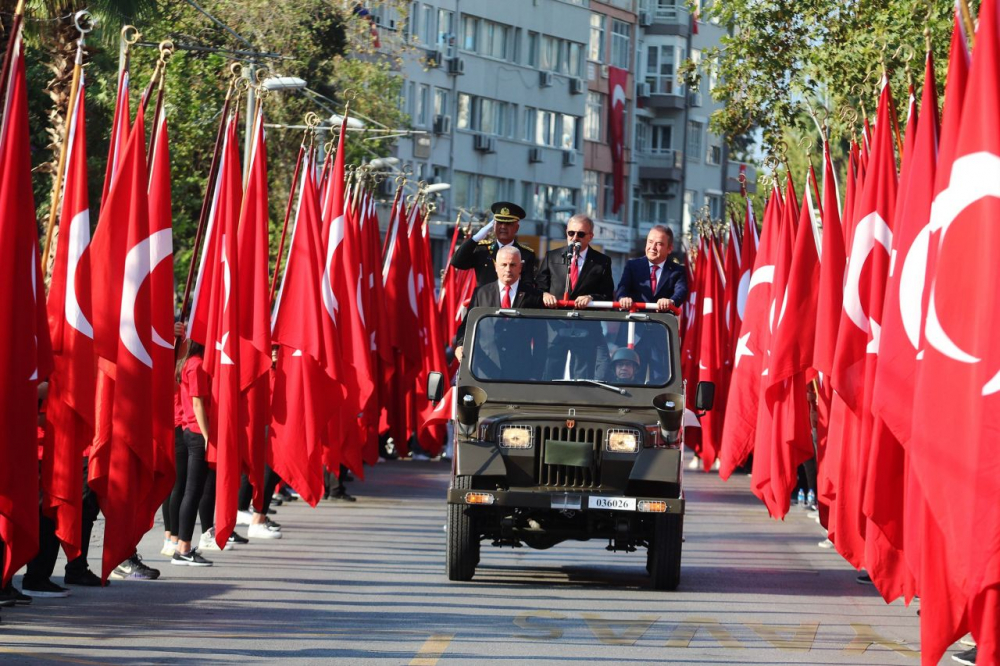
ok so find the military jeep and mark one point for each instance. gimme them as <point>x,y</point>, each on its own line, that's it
<point>555,439</point>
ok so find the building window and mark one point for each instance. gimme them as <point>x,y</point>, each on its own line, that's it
<point>714,154</point>
<point>642,131</point>
<point>621,40</point>
<point>464,111</point>
<point>661,139</point>
<point>714,202</point>
<point>545,128</point>
<point>567,134</point>
<point>530,116</point>
<point>470,33</point>
<point>461,188</point>
<point>495,37</point>
<point>661,69</point>
<point>574,59</point>
<point>423,105</point>
<point>590,193</point>
<point>596,51</point>
<point>427,33</point>
<point>592,121</point>
<point>441,102</point>
<point>694,140</point>
<point>609,198</point>
<point>446,32</point>
<point>550,54</point>
<point>532,49</point>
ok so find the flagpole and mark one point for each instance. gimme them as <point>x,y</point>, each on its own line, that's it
<point>206,202</point>
<point>970,26</point>
<point>74,93</point>
<point>15,26</point>
<point>166,51</point>
<point>288,216</point>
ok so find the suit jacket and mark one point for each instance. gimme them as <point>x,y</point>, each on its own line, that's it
<point>595,279</point>
<point>518,355</point>
<point>480,257</point>
<point>671,283</point>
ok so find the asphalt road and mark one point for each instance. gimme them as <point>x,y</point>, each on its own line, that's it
<point>364,584</point>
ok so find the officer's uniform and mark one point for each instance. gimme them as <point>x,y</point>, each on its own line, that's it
<point>480,256</point>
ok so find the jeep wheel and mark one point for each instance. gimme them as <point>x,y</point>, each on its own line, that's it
<point>664,562</point>
<point>463,539</point>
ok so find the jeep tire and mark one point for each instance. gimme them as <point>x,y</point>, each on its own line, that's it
<point>463,538</point>
<point>664,558</point>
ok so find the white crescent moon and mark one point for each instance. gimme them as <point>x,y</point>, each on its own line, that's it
<point>871,229</point>
<point>912,281</point>
<point>411,288</point>
<point>336,237</point>
<point>361,304</point>
<point>707,307</point>
<point>139,263</point>
<point>78,239</point>
<point>617,95</point>
<point>973,177</point>
<point>742,291</point>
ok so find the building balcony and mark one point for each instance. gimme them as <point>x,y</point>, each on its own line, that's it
<point>674,100</point>
<point>665,165</point>
<point>663,18</point>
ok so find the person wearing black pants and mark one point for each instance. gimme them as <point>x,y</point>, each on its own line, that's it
<point>195,397</point>
<point>170,526</point>
<point>260,526</point>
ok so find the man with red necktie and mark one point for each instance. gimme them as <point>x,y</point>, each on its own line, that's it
<point>654,278</point>
<point>583,274</point>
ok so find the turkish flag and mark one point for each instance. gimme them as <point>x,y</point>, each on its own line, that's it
<point>25,347</point>
<point>732,274</point>
<point>790,367</point>
<point>124,255</point>
<point>443,411</point>
<point>161,295</point>
<point>70,408</point>
<point>254,315</point>
<point>617,85</point>
<point>377,325</point>
<point>750,355</point>
<point>748,255</point>
<point>830,299</point>
<point>432,438</point>
<point>223,351</point>
<point>767,424</point>
<point>712,363</point>
<point>119,130</point>
<point>953,448</point>
<point>305,393</point>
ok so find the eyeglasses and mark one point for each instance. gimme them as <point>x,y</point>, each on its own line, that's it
<point>576,234</point>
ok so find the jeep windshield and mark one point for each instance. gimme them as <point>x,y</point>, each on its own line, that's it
<point>532,349</point>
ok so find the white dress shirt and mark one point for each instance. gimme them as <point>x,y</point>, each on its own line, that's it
<point>513,291</point>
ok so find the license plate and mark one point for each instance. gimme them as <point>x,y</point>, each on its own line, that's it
<point>612,503</point>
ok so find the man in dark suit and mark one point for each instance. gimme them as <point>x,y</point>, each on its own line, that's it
<point>509,349</point>
<point>479,252</point>
<point>654,278</point>
<point>586,279</point>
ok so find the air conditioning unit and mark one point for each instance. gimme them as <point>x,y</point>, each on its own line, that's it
<point>643,90</point>
<point>535,155</point>
<point>569,158</point>
<point>456,66</point>
<point>442,124</point>
<point>576,86</point>
<point>485,144</point>
<point>694,99</point>
<point>645,19</point>
<point>545,79</point>
<point>433,59</point>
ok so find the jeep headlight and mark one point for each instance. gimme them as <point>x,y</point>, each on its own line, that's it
<point>516,437</point>
<point>622,441</point>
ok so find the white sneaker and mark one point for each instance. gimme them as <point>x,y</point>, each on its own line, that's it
<point>825,543</point>
<point>717,465</point>
<point>243,517</point>
<point>695,463</point>
<point>207,541</point>
<point>262,531</point>
<point>168,548</point>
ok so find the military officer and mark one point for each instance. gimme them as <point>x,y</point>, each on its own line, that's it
<point>479,253</point>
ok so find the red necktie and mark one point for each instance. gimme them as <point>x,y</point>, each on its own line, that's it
<point>505,301</point>
<point>652,278</point>
<point>574,273</point>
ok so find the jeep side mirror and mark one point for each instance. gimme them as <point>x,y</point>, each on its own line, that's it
<point>435,387</point>
<point>704,397</point>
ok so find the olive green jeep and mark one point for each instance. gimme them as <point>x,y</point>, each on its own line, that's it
<point>568,425</point>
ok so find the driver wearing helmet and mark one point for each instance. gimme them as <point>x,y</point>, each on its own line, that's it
<point>626,365</point>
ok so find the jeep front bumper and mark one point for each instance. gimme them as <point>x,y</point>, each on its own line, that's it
<point>569,501</point>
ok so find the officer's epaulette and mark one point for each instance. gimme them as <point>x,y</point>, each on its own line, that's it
<point>485,241</point>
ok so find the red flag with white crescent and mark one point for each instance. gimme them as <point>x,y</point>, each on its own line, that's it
<point>70,413</point>
<point>617,85</point>
<point>25,348</point>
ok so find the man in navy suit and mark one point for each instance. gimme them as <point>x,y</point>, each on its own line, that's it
<point>653,278</point>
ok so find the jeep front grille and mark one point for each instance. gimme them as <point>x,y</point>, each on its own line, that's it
<point>569,476</point>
